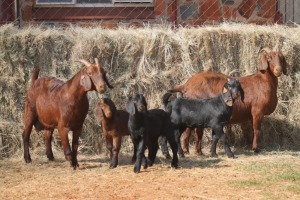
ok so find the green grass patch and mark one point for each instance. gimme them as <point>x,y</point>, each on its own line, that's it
<point>280,174</point>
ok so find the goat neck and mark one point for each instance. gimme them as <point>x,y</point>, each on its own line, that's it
<point>271,78</point>
<point>74,87</point>
<point>137,120</point>
<point>107,122</point>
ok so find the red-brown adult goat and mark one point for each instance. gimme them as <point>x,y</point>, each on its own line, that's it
<point>260,93</point>
<point>51,103</point>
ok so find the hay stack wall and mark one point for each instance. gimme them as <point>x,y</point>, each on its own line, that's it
<point>149,60</point>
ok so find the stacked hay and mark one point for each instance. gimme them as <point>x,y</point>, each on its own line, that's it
<point>148,60</point>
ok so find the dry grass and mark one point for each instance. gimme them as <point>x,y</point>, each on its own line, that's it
<point>273,175</point>
<point>149,60</point>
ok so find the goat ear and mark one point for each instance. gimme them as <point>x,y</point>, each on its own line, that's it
<point>86,82</point>
<point>263,64</point>
<point>284,66</point>
<point>242,93</point>
<point>106,81</point>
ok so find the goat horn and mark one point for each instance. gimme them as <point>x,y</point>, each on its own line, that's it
<point>266,49</point>
<point>97,62</point>
<point>86,63</point>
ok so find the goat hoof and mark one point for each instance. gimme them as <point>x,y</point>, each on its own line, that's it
<point>136,170</point>
<point>112,166</point>
<point>256,150</point>
<point>231,156</point>
<point>187,152</point>
<point>150,163</point>
<point>167,156</point>
<point>181,155</point>
<point>75,165</point>
<point>214,155</point>
<point>51,159</point>
<point>28,160</point>
<point>174,165</point>
<point>199,153</point>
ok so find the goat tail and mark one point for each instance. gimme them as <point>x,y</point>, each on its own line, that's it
<point>179,89</point>
<point>35,75</point>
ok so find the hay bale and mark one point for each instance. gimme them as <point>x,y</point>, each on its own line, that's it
<point>148,60</point>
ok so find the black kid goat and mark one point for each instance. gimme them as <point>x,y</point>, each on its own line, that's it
<point>204,113</point>
<point>145,128</point>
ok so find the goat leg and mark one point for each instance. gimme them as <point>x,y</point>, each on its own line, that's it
<point>257,120</point>
<point>198,140</point>
<point>177,138</point>
<point>213,150</point>
<point>115,152</point>
<point>185,140</point>
<point>29,118</point>
<point>141,146</point>
<point>48,140</point>
<point>75,144</point>
<point>220,134</point>
<point>152,148</point>
<point>174,148</point>
<point>133,159</point>
<point>109,146</point>
<point>164,147</point>
<point>63,133</point>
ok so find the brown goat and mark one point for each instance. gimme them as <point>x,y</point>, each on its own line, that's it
<point>260,93</point>
<point>114,126</point>
<point>51,103</point>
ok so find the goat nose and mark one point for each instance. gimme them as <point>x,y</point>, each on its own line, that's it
<point>277,71</point>
<point>101,88</point>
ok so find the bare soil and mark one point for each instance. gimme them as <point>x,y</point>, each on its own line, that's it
<point>250,176</point>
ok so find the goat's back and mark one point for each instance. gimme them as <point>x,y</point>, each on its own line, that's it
<point>199,112</point>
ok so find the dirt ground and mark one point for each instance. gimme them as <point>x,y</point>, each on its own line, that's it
<point>269,175</point>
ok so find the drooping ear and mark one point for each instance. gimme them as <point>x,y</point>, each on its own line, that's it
<point>284,66</point>
<point>225,87</point>
<point>263,64</point>
<point>130,107</point>
<point>106,81</point>
<point>242,94</point>
<point>85,82</point>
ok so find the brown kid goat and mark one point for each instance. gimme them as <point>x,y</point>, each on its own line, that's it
<point>52,103</point>
<point>114,126</point>
<point>260,94</point>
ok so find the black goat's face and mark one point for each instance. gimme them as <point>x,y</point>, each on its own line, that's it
<point>233,86</point>
<point>140,102</point>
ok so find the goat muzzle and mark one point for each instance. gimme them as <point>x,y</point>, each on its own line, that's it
<point>227,98</point>
<point>100,89</point>
<point>277,71</point>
